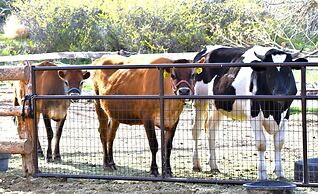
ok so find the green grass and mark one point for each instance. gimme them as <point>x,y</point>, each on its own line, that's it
<point>311,75</point>
<point>297,110</point>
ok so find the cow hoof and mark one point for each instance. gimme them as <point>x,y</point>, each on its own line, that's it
<point>108,168</point>
<point>282,179</point>
<point>49,159</point>
<point>197,169</point>
<point>215,171</point>
<point>40,153</point>
<point>154,173</point>
<point>57,159</point>
<point>169,174</point>
<point>113,166</point>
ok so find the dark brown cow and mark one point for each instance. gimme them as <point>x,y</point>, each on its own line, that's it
<point>54,83</point>
<point>141,112</point>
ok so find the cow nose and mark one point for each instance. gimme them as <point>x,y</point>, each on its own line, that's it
<point>74,94</point>
<point>183,91</point>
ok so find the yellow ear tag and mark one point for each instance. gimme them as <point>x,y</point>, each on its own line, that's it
<point>198,70</point>
<point>165,73</point>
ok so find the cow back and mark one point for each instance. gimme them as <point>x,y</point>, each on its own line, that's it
<point>140,82</point>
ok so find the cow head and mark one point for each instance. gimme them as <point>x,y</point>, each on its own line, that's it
<point>182,79</point>
<point>73,80</point>
<point>278,80</point>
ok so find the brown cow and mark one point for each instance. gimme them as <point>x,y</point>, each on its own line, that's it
<point>141,112</point>
<point>54,83</point>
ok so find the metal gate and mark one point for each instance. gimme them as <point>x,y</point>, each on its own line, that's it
<point>82,156</point>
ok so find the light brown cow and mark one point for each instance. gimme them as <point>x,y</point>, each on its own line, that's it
<point>54,83</point>
<point>141,112</point>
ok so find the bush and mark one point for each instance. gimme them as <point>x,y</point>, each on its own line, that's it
<point>147,26</point>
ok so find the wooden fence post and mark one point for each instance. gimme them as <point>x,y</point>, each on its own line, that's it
<point>27,130</point>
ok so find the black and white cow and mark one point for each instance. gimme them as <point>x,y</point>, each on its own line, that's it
<point>270,116</point>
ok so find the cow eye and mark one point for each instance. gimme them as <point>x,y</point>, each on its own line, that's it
<point>66,83</point>
<point>81,83</point>
<point>173,76</point>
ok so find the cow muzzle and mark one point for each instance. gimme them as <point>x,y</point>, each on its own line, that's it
<point>183,91</point>
<point>188,89</point>
<point>74,92</point>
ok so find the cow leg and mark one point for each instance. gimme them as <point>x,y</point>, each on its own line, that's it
<point>39,148</point>
<point>278,145</point>
<point>111,136</point>
<point>213,124</point>
<point>59,127</point>
<point>169,134</point>
<point>260,141</point>
<point>200,117</point>
<point>49,132</point>
<point>103,132</point>
<point>102,129</point>
<point>153,143</point>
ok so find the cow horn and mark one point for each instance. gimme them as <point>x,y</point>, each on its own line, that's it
<point>295,55</point>
<point>261,57</point>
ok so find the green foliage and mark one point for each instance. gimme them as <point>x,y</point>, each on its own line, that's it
<point>14,47</point>
<point>149,26</point>
<point>58,26</point>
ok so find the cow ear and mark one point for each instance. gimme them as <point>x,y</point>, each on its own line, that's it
<point>198,70</point>
<point>61,74</point>
<point>202,60</point>
<point>256,67</point>
<point>86,75</point>
<point>299,60</point>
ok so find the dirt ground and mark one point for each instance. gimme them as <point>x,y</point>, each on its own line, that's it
<point>13,183</point>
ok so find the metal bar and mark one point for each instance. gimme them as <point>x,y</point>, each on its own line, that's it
<point>162,123</point>
<point>35,126</point>
<point>179,65</point>
<point>180,180</point>
<point>220,97</point>
<point>304,123</point>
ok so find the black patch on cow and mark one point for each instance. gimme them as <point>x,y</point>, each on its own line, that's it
<point>273,82</point>
<point>220,55</point>
<point>223,86</point>
<point>269,107</point>
<point>199,55</point>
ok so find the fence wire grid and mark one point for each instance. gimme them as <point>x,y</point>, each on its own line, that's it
<point>82,154</point>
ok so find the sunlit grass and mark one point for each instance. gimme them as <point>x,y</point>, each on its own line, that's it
<point>311,75</point>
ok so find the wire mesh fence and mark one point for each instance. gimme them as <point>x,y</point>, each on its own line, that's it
<point>82,154</point>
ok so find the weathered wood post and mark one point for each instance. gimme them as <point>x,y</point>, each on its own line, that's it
<point>25,144</point>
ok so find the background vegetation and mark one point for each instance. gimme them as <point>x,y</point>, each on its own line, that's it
<point>147,26</point>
